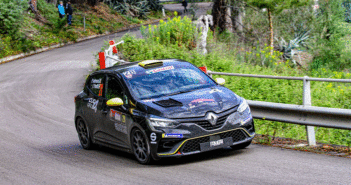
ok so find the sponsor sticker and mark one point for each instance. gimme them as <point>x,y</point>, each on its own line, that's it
<point>159,69</point>
<point>202,100</point>
<point>115,115</point>
<point>153,136</point>
<point>215,90</point>
<point>172,135</point>
<point>96,81</point>
<point>95,86</point>
<point>149,100</point>
<point>216,143</point>
<point>129,74</point>
<point>92,104</point>
<point>123,118</point>
<point>193,103</point>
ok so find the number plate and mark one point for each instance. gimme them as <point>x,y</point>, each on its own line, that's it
<point>221,143</point>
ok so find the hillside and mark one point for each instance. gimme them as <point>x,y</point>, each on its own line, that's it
<point>24,33</point>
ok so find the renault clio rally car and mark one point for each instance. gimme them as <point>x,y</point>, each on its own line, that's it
<point>160,108</point>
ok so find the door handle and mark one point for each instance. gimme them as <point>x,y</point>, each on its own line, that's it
<point>104,111</point>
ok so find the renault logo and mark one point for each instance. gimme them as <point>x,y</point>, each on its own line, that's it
<point>212,118</point>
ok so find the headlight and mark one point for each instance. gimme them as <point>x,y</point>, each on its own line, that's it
<point>160,122</point>
<point>243,106</point>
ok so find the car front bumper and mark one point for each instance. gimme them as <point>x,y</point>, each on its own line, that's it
<point>192,139</point>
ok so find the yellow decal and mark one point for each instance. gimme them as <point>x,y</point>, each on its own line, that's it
<point>131,110</point>
<point>149,62</point>
<point>132,103</point>
<point>123,118</point>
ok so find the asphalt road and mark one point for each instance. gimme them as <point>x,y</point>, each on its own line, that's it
<point>39,143</point>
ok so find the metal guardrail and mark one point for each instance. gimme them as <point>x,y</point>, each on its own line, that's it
<point>299,114</point>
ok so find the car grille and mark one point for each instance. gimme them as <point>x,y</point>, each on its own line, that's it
<point>207,125</point>
<point>193,145</point>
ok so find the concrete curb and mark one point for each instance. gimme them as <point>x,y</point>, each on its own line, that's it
<point>23,55</point>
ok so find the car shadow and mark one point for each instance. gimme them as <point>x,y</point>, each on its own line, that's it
<point>74,150</point>
<point>201,157</point>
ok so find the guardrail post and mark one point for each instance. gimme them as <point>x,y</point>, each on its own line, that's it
<point>311,136</point>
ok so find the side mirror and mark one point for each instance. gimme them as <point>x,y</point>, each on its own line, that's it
<point>220,81</point>
<point>114,102</point>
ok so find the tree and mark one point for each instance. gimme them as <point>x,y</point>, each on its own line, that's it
<point>275,7</point>
<point>221,15</point>
<point>237,15</point>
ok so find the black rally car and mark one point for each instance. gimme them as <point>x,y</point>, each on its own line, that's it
<point>160,108</point>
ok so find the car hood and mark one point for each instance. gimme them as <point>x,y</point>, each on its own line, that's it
<point>193,104</point>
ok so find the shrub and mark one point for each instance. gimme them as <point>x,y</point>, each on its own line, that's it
<point>11,17</point>
<point>48,10</point>
<point>179,31</point>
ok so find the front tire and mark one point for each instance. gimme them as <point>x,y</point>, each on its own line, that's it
<point>84,135</point>
<point>140,146</point>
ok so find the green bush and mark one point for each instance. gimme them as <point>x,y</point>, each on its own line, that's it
<point>180,31</point>
<point>5,48</point>
<point>11,17</point>
<point>48,10</point>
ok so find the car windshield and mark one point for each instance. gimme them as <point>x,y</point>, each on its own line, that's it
<point>166,80</point>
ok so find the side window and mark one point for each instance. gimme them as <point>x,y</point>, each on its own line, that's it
<point>113,88</point>
<point>96,84</point>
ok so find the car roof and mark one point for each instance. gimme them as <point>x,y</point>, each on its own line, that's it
<point>123,67</point>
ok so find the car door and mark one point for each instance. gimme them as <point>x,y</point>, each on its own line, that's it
<point>94,104</point>
<point>117,120</point>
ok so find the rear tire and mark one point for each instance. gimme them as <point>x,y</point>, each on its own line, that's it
<point>241,146</point>
<point>140,146</point>
<point>84,135</point>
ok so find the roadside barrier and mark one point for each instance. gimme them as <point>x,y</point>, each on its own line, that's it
<point>299,114</point>
<point>110,56</point>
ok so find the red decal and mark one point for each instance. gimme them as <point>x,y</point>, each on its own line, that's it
<point>101,87</point>
<point>202,100</point>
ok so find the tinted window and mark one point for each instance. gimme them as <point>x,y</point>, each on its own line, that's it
<point>96,84</point>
